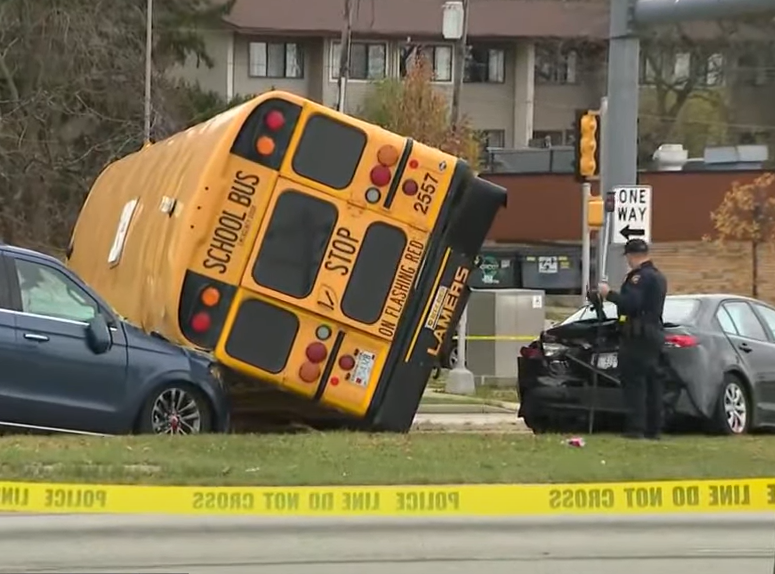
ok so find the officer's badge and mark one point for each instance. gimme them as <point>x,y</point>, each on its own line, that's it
<point>634,279</point>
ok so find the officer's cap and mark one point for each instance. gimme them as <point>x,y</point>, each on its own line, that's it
<point>636,246</point>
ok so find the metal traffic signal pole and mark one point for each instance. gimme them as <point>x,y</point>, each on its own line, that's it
<point>621,118</point>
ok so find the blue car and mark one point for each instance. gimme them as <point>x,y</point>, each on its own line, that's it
<point>71,364</point>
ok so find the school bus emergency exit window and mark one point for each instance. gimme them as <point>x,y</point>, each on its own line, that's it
<point>295,243</point>
<point>329,152</point>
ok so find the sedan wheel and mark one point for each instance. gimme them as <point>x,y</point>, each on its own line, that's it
<point>734,416</point>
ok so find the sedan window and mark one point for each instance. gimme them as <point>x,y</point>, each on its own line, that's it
<point>47,292</point>
<point>745,320</point>
<point>768,314</point>
<point>726,322</point>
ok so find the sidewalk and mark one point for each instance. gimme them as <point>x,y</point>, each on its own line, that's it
<point>462,404</point>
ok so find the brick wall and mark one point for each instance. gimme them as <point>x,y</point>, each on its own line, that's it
<point>700,267</point>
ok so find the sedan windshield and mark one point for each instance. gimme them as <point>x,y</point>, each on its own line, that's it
<point>678,310</point>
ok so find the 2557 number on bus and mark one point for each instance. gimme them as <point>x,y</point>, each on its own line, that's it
<point>425,194</point>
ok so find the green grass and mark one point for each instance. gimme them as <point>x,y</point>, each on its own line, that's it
<point>508,395</point>
<point>348,458</point>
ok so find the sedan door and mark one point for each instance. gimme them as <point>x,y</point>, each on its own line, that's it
<point>767,392</point>
<point>65,385</point>
<point>754,348</point>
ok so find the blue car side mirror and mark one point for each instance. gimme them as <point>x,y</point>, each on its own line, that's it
<point>98,335</point>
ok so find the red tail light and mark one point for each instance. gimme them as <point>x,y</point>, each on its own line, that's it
<point>410,187</point>
<point>346,362</point>
<point>316,352</point>
<point>681,341</point>
<point>200,322</point>
<point>380,176</point>
<point>274,120</point>
<point>530,352</point>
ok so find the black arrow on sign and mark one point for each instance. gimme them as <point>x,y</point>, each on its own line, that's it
<point>627,232</point>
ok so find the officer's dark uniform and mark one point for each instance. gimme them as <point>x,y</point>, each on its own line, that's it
<point>640,304</point>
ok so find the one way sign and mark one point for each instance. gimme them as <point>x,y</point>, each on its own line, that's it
<point>632,214</point>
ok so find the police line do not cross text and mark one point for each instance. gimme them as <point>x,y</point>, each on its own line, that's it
<point>632,213</point>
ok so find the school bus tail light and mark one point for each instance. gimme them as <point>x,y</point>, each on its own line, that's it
<point>274,120</point>
<point>204,304</point>
<point>210,296</point>
<point>380,175</point>
<point>387,156</point>
<point>201,322</point>
<point>410,187</point>
<point>265,146</point>
<point>309,372</point>
<point>316,352</point>
<point>346,362</point>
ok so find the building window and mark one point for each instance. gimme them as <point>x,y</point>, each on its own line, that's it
<point>680,68</point>
<point>751,70</point>
<point>485,65</point>
<point>439,57</point>
<point>654,67</point>
<point>493,138</point>
<point>546,139</point>
<point>554,66</point>
<point>368,61</point>
<point>275,60</point>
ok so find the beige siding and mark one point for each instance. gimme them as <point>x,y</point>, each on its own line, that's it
<point>215,78</point>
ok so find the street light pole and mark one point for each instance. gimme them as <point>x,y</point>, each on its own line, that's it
<point>148,69</point>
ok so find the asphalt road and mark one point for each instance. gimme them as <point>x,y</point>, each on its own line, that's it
<point>81,544</point>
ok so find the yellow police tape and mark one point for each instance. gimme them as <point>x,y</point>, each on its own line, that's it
<point>482,500</point>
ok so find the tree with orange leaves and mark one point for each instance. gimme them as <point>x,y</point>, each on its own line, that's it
<point>747,214</point>
<point>415,108</point>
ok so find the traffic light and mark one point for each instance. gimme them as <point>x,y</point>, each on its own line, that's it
<point>595,212</point>
<point>587,144</point>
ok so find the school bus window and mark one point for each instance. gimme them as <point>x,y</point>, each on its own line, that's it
<point>329,152</point>
<point>262,335</point>
<point>373,273</point>
<point>295,244</point>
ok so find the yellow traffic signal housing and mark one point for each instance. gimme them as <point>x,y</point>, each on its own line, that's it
<point>587,145</point>
<point>595,212</point>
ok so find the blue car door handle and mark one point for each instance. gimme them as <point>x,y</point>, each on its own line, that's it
<point>35,337</point>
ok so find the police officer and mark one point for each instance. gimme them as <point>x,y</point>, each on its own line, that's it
<point>640,303</point>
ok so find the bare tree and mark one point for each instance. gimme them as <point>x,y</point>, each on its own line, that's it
<point>71,99</point>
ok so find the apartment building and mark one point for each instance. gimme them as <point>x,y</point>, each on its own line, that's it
<point>530,63</point>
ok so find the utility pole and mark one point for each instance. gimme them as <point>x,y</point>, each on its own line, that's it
<point>148,69</point>
<point>461,55</point>
<point>344,55</point>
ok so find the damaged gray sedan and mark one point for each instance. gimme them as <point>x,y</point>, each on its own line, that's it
<point>718,366</point>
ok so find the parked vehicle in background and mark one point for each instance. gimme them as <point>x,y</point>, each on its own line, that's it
<point>71,364</point>
<point>305,249</point>
<point>718,364</point>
